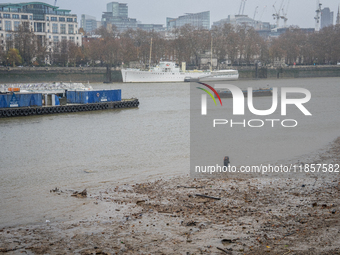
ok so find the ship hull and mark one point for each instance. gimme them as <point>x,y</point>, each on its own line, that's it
<point>231,77</point>
<point>148,76</point>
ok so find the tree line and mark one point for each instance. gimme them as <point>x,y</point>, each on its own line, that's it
<point>233,45</point>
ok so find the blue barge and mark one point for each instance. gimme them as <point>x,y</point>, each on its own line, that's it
<point>13,104</point>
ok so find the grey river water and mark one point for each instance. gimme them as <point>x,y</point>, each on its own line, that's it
<point>40,153</point>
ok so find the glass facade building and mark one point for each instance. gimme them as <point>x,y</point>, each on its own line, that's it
<point>117,15</point>
<point>88,23</point>
<point>326,17</point>
<point>197,20</point>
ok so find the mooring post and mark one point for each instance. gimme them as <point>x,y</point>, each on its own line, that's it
<point>108,73</point>
<point>256,70</point>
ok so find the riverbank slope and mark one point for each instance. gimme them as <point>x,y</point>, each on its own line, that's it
<point>234,216</point>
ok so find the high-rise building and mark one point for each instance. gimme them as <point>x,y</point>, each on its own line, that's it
<point>88,23</point>
<point>197,20</point>
<point>117,14</point>
<point>338,17</point>
<point>117,9</point>
<point>50,24</point>
<point>326,17</point>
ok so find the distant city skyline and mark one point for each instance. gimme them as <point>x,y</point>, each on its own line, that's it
<point>300,12</point>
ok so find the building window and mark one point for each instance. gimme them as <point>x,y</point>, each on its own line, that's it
<point>75,19</point>
<point>24,16</point>
<point>54,19</point>
<point>69,20</point>
<point>71,38</point>
<point>55,39</point>
<point>70,29</point>
<point>16,25</point>
<point>55,28</point>
<point>61,19</point>
<point>47,18</point>
<point>26,25</point>
<point>39,27</point>
<point>31,17</point>
<point>9,36</point>
<point>8,25</point>
<point>7,16</point>
<point>62,28</point>
<point>15,16</point>
<point>63,38</point>
<point>49,37</point>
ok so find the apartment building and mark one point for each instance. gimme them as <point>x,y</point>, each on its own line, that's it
<point>49,23</point>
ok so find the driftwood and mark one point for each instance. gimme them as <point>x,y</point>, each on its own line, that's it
<point>14,249</point>
<point>228,252</point>
<point>289,234</point>
<point>186,187</point>
<point>199,195</point>
<point>80,194</point>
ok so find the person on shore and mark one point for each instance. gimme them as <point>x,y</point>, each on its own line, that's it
<point>226,161</point>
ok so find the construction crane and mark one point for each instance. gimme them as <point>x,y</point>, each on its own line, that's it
<point>243,3</point>
<point>254,22</point>
<point>317,16</point>
<point>276,15</point>
<point>284,14</point>
<point>255,12</point>
<point>265,7</point>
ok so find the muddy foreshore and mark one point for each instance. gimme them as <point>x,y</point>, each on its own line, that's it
<point>234,216</point>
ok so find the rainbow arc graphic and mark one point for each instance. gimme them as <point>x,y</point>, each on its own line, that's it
<point>209,93</point>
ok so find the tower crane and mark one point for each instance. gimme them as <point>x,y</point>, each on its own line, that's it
<point>254,22</point>
<point>317,16</point>
<point>255,12</point>
<point>243,3</point>
<point>276,15</point>
<point>284,14</point>
<point>265,7</point>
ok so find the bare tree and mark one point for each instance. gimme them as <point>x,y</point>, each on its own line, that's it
<point>26,42</point>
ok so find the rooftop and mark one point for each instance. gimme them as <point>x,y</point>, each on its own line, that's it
<point>33,7</point>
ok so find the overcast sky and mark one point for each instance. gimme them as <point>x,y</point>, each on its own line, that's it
<point>300,12</point>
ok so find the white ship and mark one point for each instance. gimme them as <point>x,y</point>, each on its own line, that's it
<point>168,72</point>
<point>164,72</point>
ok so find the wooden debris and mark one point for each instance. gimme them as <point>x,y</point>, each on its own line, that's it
<point>227,252</point>
<point>187,187</point>
<point>199,195</point>
<point>80,194</point>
